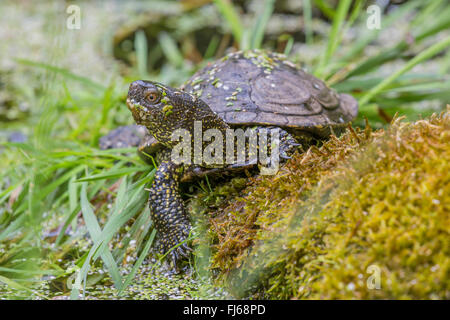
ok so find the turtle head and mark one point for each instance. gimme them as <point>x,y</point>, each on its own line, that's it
<point>163,110</point>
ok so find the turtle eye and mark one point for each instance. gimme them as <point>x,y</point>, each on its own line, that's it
<point>152,96</point>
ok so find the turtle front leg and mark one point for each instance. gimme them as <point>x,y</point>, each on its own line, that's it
<point>168,212</point>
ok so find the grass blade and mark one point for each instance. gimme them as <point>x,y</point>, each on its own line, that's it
<point>140,41</point>
<point>325,8</point>
<point>335,37</point>
<point>18,286</point>
<point>64,72</point>
<point>307,17</point>
<point>114,173</point>
<point>170,49</point>
<point>138,263</point>
<point>95,233</point>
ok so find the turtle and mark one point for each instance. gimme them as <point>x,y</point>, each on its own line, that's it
<point>255,89</point>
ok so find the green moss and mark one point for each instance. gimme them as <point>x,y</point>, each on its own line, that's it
<point>319,227</point>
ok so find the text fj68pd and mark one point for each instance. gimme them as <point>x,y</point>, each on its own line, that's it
<point>245,309</point>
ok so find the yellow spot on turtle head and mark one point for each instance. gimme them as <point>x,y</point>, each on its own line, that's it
<point>167,109</point>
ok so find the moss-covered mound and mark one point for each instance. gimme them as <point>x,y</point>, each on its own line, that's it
<point>363,216</point>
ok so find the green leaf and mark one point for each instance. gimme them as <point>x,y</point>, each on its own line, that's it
<point>170,49</point>
<point>18,286</point>
<point>138,263</point>
<point>140,42</point>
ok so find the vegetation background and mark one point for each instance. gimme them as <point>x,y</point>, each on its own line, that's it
<point>73,220</point>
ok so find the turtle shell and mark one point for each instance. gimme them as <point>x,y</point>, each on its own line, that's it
<point>260,88</point>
